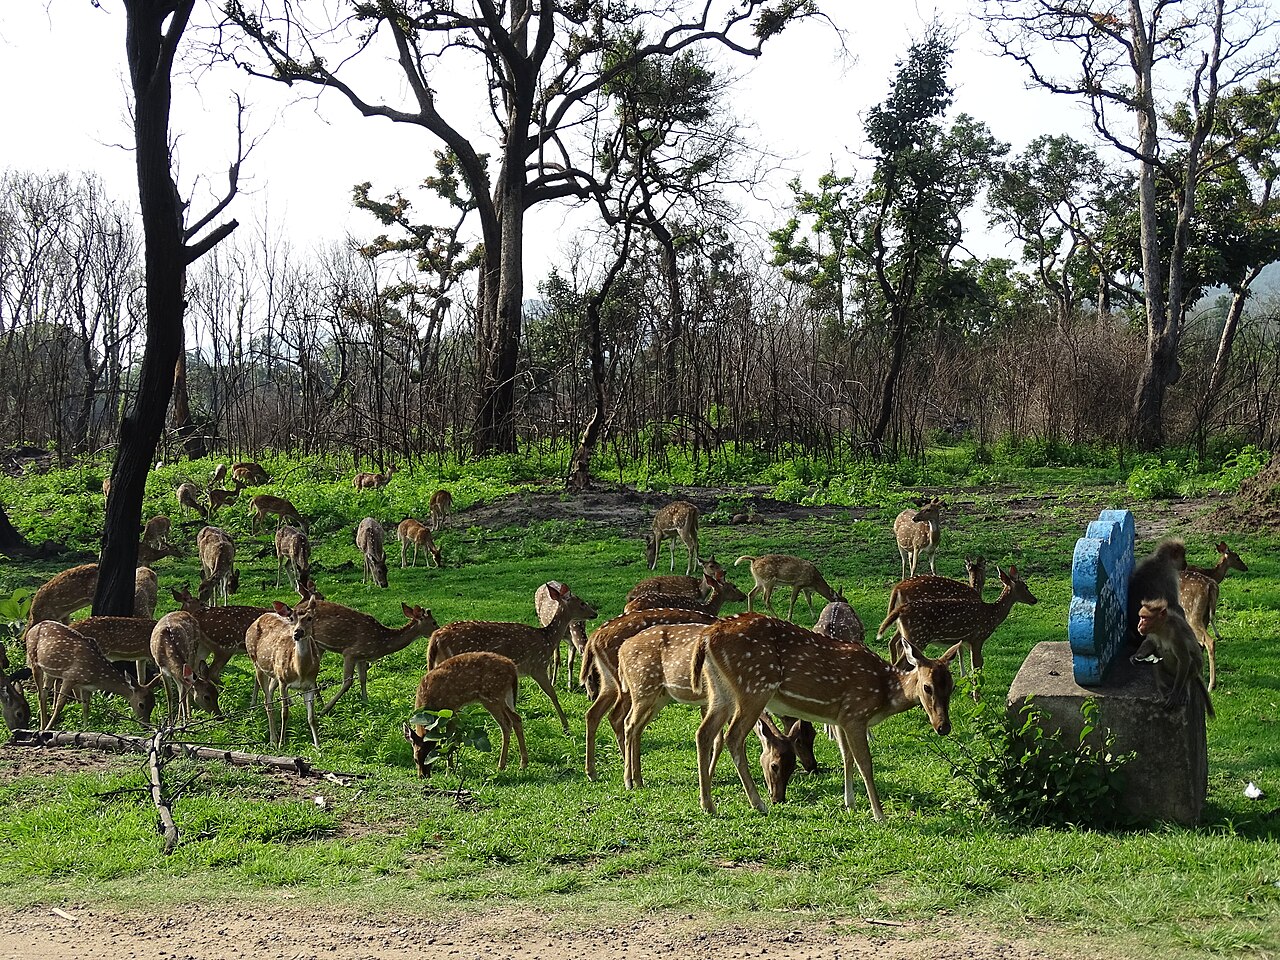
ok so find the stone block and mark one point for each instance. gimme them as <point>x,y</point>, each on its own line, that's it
<point>1169,777</point>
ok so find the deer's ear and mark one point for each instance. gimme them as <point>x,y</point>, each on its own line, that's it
<point>1222,547</point>
<point>281,609</point>
<point>406,610</point>
<point>769,734</point>
<point>1013,572</point>
<point>909,652</point>
<point>188,675</point>
<point>950,655</point>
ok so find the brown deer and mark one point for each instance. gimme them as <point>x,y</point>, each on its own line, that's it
<point>264,504</point>
<point>975,568</point>
<point>371,540</point>
<point>918,531</point>
<point>488,679</point>
<point>439,507</point>
<point>217,564</point>
<point>924,618</point>
<point>219,498</point>
<point>146,592</point>
<point>121,638</point>
<point>372,481</point>
<point>106,487</point>
<point>147,554</point>
<point>750,663</point>
<point>653,668</point>
<point>156,532</point>
<point>224,629</point>
<point>530,647</point>
<point>720,592</point>
<point>677,519</point>
<point>840,621</point>
<point>1228,560</point>
<point>419,534</point>
<point>1198,595</point>
<point>677,584</point>
<point>73,589</point>
<point>56,652</point>
<point>779,569</point>
<point>249,474</point>
<point>286,657</point>
<point>189,499</point>
<point>176,646</point>
<point>361,639</point>
<point>14,706</point>
<point>600,659</point>
<point>293,552</point>
<point>546,607</point>
<point>218,477</point>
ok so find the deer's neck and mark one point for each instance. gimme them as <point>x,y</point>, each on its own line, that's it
<point>392,641</point>
<point>1218,571</point>
<point>555,630</point>
<point>994,614</point>
<point>903,691</point>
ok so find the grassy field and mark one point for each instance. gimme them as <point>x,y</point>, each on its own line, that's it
<point>548,836</point>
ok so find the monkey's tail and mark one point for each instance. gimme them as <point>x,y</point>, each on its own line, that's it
<point>1208,701</point>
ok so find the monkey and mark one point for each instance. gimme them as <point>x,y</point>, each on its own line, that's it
<point>1156,578</point>
<point>1167,636</point>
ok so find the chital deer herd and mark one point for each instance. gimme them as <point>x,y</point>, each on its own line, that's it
<point>670,644</point>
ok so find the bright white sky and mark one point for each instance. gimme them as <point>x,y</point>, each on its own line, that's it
<point>65,108</point>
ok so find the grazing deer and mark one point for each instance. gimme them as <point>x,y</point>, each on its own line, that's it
<point>488,679</point>
<point>361,639</point>
<point>156,532</point>
<point>285,657</point>
<point>975,568</point>
<point>924,618</point>
<point>189,499</point>
<point>372,481</point>
<point>265,503</point>
<point>14,706</point>
<point>774,569</point>
<point>419,534</point>
<point>840,621</point>
<point>217,564</point>
<point>530,647</point>
<point>147,554</point>
<point>218,477</point>
<point>918,531</point>
<point>677,519</point>
<point>176,645</point>
<point>293,552</point>
<point>653,668</point>
<point>371,540</point>
<point>720,592</point>
<point>146,591</point>
<point>679,585</point>
<point>56,652</point>
<point>73,589</point>
<point>224,629</point>
<point>121,639</point>
<point>547,606</point>
<point>219,498</point>
<point>751,663</point>
<point>600,658</point>
<point>439,508</point>
<point>249,474</point>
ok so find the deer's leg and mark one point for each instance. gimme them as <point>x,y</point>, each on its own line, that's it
<point>618,718</point>
<point>64,692</point>
<point>903,554</point>
<point>284,712</point>
<point>808,596</point>
<point>309,698</point>
<point>975,664</point>
<point>268,690</point>
<point>854,747</point>
<point>362,671</point>
<point>791,607</point>
<point>518,725</point>
<point>719,708</point>
<point>1213,664</point>
<point>751,593</point>
<point>673,553</point>
<point>42,696</point>
<point>348,677</point>
<point>543,681</point>
<point>735,741</point>
<point>602,704</point>
<point>499,714</point>
<point>767,590</point>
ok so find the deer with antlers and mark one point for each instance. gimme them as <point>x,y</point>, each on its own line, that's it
<point>371,541</point>
<point>677,519</point>
<point>56,652</point>
<point>750,663</point>
<point>779,569</point>
<point>286,657</point>
<point>918,531</point>
<point>489,679</point>
<point>417,533</point>
<point>177,645</point>
<point>532,648</point>
<point>361,640</point>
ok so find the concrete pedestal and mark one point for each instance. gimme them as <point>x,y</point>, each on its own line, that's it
<point>1169,777</point>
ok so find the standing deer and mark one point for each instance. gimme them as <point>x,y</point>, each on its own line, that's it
<point>530,647</point>
<point>156,532</point>
<point>677,584</point>
<point>219,498</point>
<point>293,552</point>
<point>546,607</point>
<point>121,639</point>
<point>677,519</point>
<point>488,679</point>
<point>1228,560</point>
<point>189,499</point>
<point>249,474</point>
<point>73,589</point>
<point>774,569</point>
<point>440,506</point>
<point>1198,592</point>
<point>361,639</point>
<point>751,663</point>
<point>176,646</point>
<point>975,568</point>
<point>372,481</point>
<point>146,592</point>
<point>720,592</point>
<point>219,475</point>
<point>265,503</point>
<point>840,621</point>
<point>217,564</point>
<point>924,618</point>
<point>918,531</point>
<point>224,629</point>
<point>285,657</point>
<point>419,534</point>
<point>371,540</point>
<point>56,652</point>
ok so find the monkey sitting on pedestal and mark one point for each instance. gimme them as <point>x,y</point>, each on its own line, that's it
<point>1167,636</point>
<point>1156,578</point>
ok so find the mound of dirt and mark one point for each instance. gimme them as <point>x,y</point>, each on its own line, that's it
<point>1258,502</point>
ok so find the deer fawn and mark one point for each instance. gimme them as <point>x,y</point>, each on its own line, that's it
<point>653,669</point>
<point>217,564</point>
<point>361,639</point>
<point>918,531</point>
<point>720,592</point>
<point>546,607</point>
<point>372,481</point>
<point>530,647</point>
<point>224,629</point>
<point>56,652</point>
<point>677,519</point>
<point>924,618</point>
<point>14,706</point>
<point>419,534</point>
<point>293,553</point>
<point>840,621</point>
<point>774,569</point>
<point>189,499</point>
<point>440,506</point>
<point>264,504</point>
<point>249,474</point>
<point>371,540</point>
<point>488,679</point>
<point>750,663</point>
<point>600,657</point>
<point>285,657</point>
<point>176,646</point>
<point>223,498</point>
<point>679,585</point>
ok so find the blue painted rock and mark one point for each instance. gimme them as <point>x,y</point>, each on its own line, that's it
<point>1099,595</point>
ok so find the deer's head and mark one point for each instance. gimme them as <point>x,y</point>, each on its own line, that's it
<point>933,684</point>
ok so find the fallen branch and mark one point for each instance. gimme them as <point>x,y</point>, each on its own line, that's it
<point>168,829</point>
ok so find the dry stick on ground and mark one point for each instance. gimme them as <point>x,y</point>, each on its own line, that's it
<point>168,829</point>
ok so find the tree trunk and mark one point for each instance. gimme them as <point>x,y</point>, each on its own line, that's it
<point>675,331</point>
<point>890,381</point>
<point>193,440</point>
<point>12,543</point>
<point>1225,342</point>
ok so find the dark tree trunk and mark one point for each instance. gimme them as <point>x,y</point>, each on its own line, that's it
<point>192,438</point>
<point>12,543</point>
<point>890,388</point>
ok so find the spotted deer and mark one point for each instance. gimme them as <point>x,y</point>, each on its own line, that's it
<point>176,645</point>
<point>840,621</point>
<point>219,576</point>
<point>224,628</point>
<point>532,648</point>
<point>779,569</point>
<point>146,592</point>
<point>293,553</point>
<point>218,476</point>
<point>924,617</point>
<point>677,519</point>
<point>1198,591</point>
<point>188,495</point>
<point>371,540</point>
<point>265,504</point>
<point>14,706</point>
<point>361,639</point>
<point>918,531</point>
<point>73,590</point>
<point>372,481</point>
<point>975,568</point>
<point>677,584</point>
<point>126,639</point>
<point>56,652</point>
<point>286,657</point>
<point>249,474</point>
<point>546,607</point>
<point>417,533</point>
<point>719,592</point>
<point>750,663</point>
<point>219,498</point>
<point>440,506</point>
<point>489,679</point>
<point>156,532</point>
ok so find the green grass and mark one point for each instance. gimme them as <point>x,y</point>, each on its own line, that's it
<point>547,836</point>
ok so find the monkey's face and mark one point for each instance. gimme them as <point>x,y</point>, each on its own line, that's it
<point>1151,617</point>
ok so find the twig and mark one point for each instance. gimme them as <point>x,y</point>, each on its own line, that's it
<point>168,828</point>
